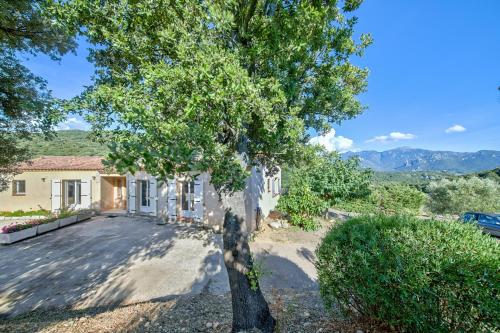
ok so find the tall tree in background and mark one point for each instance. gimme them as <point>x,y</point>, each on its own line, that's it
<point>219,86</point>
<point>26,106</point>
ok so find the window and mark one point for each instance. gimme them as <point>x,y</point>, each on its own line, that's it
<point>19,187</point>
<point>276,186</point>
<point>144,193</point>
<point>72,192</point>
<point>187,198</point>
<point>268,185</point>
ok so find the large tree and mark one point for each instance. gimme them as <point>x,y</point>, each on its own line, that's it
<point>26,105</point>
<point>219,86</point>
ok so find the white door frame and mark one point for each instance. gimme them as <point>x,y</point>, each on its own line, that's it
<point>144,199</point>
<point>187,199</point>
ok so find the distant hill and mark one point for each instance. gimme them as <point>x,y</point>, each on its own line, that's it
<point>409,159</point>
<point>66,143</point>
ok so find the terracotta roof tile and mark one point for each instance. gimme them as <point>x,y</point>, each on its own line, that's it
<point>64,163</point>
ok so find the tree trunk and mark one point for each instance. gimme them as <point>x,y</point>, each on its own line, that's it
<point>250,309</point>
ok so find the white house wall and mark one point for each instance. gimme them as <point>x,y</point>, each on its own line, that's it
<point>255,195</point>
<point>267,200</point>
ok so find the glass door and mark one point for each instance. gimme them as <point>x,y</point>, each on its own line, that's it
<point>187,199</point>
<point>72,193</point>
<point>145,202</point>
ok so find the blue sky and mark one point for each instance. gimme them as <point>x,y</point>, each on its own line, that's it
<point>433,84</point>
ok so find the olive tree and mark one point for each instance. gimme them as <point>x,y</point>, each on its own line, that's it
<point>218,87</point>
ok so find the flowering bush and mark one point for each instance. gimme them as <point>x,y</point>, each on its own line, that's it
<point>25,225</point>
<point>20,226</point>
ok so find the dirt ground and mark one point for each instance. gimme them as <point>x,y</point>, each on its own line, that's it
<point>295,312</point>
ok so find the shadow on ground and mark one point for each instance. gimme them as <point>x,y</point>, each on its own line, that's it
<point>149,272</point>
<point>106,261</point>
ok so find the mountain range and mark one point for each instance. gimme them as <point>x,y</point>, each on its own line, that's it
<point>411,159</point>
<point>75,142</point>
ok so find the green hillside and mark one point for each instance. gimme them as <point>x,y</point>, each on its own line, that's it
<point>72,142</point>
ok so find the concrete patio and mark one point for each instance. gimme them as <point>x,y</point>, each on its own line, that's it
<point>122,260</point>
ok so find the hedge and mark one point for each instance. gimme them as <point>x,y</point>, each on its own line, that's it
<point>419,276</point>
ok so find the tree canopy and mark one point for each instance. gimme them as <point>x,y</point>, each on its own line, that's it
<point>189,85</point>
<point>26,105</point>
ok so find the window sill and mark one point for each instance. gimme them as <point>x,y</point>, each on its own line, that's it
<point>19,194</point>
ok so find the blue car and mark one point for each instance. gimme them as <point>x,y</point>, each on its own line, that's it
<point>490,223</point>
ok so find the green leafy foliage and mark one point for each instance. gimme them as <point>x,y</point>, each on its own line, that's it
<point>40,212</point>
<point>493,174</point>
<point>255,273</point>
<point>397,198</point>
<point>392,198</point>
<point>322,180</point>
<point>302,205</point>
<point>66,143</point>
<point>334,179</point>
<point>419,276</point>
<point>463,194</point>
<point>189,85</point>
<point>26,105</point>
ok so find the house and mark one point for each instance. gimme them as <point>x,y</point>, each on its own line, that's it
<point>53,182</point>
<point>81,182</point>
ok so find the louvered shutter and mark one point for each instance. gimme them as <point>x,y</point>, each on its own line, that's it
<point>198,199</point>
<point>172,200</point>
<point>56,195</point>
<point>86,193</point>
<point>132,190</point>
<point>153,195</point>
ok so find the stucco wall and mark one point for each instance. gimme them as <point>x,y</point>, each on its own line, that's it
<point>255,195</point>
<point>267,199</point>
<point>214,210</point>
<point>38,189</point>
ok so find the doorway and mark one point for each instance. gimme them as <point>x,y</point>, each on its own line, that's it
<point>113,194</point>
<point>144,197</point>
<point>187,199</point>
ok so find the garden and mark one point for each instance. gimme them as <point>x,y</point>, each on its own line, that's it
<point>17,231</point>
<point>391,265</point>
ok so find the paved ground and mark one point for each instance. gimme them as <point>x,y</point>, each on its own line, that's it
<point>108,261</point>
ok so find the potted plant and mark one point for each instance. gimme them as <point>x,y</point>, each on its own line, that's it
<point>16,232</point>
<point>67,217</point>
<point>47,225</point>
<point>84,214</point>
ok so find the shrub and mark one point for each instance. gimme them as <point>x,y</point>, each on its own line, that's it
<point>459,195</point>
<point>323,180</point>
<point>18,213</point>
<point>301,204</point>
<point>420,276</point>
<point>388,198</point>
<point>397,198</point>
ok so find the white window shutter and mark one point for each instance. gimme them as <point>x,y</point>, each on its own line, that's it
<point>172,200</point>
<point>56,195</point>
<point>86,193</point>
<point>132,190</point>
<point>198,199</point>
<point>153,195</point>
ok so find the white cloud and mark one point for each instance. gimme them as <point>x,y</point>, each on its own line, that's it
<point>455,129</point>
<point>332,142</point>
<point>393,136</point>
<point>72,123</point>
